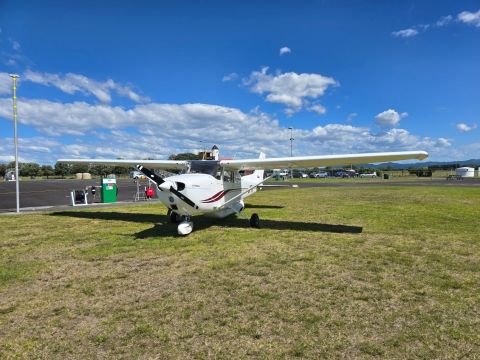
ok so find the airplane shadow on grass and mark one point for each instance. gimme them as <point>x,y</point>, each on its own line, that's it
<point>255,206</point>
<point>162,226</point>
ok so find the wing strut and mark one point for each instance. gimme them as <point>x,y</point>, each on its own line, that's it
<point>243,192</point>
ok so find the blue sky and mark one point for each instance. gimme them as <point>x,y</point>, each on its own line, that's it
<point>147,79</point>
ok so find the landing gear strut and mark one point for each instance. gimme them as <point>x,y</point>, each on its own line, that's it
<point>255,221</point>
<point>186,226</point>
<point>173,216</point>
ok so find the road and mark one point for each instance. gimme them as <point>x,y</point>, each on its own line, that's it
<point>41,193</point>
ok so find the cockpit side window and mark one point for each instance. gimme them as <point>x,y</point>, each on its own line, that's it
<point>204,167</point>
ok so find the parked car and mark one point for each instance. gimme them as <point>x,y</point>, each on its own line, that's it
<point>10,175</point>
<point>137,175</point>
<point>372,175</point>
<point>347,174</point>
<point>321,175</point>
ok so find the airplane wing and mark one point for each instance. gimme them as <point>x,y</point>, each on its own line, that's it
<point>323,160</point>
<point>152,164</point>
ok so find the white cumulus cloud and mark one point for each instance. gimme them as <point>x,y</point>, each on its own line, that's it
<point>319,109</point>
<point>290,89</point>
<point>444,20</point>
<point>389,118</point>
<point>406,33</point>
<point>16,45</point>
<point>466,17</point>
<point>285,50</point>
<point>5,84</point>
<point>470,18</point>
<point>462,127</point>
<point>75,83</point>
<point>442,142</point>
<point>352,116</point>
<point>156,130</point>
<point>230,77</point>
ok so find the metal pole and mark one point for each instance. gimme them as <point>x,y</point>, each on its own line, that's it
<point>291,141</point>
<point>15,138</point>
<point>291,148</point>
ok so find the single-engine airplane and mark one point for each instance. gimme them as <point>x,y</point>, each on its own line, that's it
<point>217,188</point>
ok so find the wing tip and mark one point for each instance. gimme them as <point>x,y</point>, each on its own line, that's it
<point>422,155</point>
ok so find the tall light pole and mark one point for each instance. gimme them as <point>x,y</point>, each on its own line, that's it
<point>291,147</point>
<point>291,140</point>
<point>15,137</point>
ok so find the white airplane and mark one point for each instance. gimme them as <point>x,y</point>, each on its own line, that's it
<point>217,188</point>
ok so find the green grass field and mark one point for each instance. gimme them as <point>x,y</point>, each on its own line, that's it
<point>351,272</point>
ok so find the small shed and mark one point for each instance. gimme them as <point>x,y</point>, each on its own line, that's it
<point>84,176</point>
<point>465,172</point>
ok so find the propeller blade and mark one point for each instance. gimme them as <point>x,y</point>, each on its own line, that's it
<point>151,175</point>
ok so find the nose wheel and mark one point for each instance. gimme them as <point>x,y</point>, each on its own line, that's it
<point>255,221</point>
<point>185,227</point>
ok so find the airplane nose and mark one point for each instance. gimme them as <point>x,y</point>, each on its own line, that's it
<point>167,185</point>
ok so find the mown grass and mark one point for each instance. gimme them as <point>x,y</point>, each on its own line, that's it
<point>332,273</point>
<point>379,179</point>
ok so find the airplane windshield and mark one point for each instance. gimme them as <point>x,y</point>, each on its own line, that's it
<point>204,167</point>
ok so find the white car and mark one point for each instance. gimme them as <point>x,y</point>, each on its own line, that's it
<point>321,175</point>
<point>137,175</point>
<point>372,175</point>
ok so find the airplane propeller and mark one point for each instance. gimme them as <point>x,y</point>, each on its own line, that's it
<point>165,185</point>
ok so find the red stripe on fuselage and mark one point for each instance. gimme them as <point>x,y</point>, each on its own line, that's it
<point>217,196</point>
<point>211,197</point>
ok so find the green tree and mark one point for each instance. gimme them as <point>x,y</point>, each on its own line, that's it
<point>30,169</point>
<point>183,156</point>
<point>62,169</point>
<point>100,170</point>
<point>120,170</point>
<point>47,170</point>
<point>79,168</point>
<point>3,170</point>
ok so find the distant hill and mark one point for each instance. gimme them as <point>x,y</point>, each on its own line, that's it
<point>454,164</point>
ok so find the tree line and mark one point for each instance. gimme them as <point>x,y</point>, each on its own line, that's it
<point>33,170</point>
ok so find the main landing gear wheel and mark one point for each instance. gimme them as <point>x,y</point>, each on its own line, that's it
<point>255,221</point>
<point>173,216</point>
